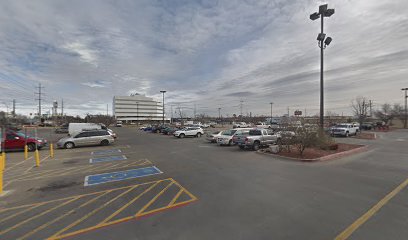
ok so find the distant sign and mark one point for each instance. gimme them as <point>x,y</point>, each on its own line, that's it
<point>298,113</point>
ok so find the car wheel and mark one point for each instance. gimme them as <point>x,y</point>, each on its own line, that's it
<point>255,147</point>
<point>347,134</point>
<point>242,147</point>
<point>69,145</point>
<point>31,147</point>
<point>198,134</point>
<point>181,135</point>
<point>230,143</point>
<point>105,142</point>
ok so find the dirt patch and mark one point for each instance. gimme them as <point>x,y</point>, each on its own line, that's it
<point>314,153</point>
<point>57,185</point>
<point>70,162</point>
<point>366,135</point>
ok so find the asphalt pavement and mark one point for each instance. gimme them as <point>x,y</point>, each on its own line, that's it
<point>205,191</point>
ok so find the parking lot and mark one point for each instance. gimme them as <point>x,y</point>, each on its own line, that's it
<point>151,186</point>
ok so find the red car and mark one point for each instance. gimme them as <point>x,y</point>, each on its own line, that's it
<point>17,140</point>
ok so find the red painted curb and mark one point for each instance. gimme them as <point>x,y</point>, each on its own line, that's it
<point>324,158</point>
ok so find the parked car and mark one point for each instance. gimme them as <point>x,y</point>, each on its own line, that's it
<point>240,125</point>
<point>256,138</point>
<point>367,125</point>
<point>263,125</point>
<point>212,137</point>
<point>118,123</point>
<point>189,132</point>
<point>17,140</point>
<point>86,138</point>
<point>169,130</point>
<point>228,137</point>
<point>344,129</point>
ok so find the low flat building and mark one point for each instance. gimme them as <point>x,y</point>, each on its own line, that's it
<point>137,108</point>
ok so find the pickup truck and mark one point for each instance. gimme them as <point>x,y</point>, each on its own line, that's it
<point>344,129</point>
<point>256,138</point>
<point>240,125</point>
<point>263,125</point>
<point>17,140</point>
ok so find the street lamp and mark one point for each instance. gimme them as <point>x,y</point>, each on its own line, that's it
<point>406,111</point>
<point>163,104</point>
<point>271,111</point>
<point>323,42</point>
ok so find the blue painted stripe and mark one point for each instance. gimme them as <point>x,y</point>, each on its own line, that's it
<point>119,176</point>
<point>105,152</point>
<point>107,159</point>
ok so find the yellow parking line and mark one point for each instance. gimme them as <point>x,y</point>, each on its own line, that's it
<point>175,197</point>
<point>21,212</point>
<point>91,213</point>
<point>62,216</point>
<point>166,207</point>
<point>360,221</point>
<point>186,191</point>
<point>154,199</point>
<point>38,215</point>
<point>127,204</point>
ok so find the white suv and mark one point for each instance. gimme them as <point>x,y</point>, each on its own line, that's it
<point>344,129</point>
<point>189,132</point>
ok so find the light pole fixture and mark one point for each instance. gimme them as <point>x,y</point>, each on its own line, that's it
<point>323,42</point>
<point>406,111</point>
<point>271,111</point>
<point>163,104</point>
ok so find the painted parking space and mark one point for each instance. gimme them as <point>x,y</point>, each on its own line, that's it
<point>81,169</point>
<point>107,159</point>
<point>66,217</point>
<point>122,175</point>
<point>106,152</point>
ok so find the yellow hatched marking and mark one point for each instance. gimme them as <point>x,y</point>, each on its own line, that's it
<point>127,204</point>
<point>175,197</point>
<point>154,199</point>
<point>64,215</point>
<point>166,207</point>
<point>92,213</point>
<point>21,212</point>
<point>39,215</point>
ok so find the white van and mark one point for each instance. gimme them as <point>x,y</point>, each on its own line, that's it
<point>79,127</point>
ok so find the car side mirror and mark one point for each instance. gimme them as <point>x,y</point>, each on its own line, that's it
<point>16,138</point>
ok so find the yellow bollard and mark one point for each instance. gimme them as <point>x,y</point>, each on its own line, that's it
<point>51,150</point>
<point>4,159</point>
<point>1,173</point>
<point>37,158</point>
<point>25,152</point>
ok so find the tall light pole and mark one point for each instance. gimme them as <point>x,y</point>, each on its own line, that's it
<point>137,112</point>
<point>271,112</point>
<point>163,104</point>
<point>406,111</point>
<point>322,43</point>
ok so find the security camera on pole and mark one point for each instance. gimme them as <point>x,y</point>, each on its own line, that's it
<point>323,42</point>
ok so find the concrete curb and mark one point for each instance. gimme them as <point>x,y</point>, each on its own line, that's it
<point>324,158</point>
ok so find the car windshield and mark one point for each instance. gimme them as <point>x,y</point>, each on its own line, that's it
<point>20,134</point>
<point>228,132</point>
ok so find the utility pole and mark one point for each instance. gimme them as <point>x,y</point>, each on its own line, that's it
<point>194,111</point>
<point>14,108</point>
<point>107,109</point>
<point>62,107</point>
<point>371,107</point>
<point>171,109</point>
<point>40,93</point>
<point>163,92</point>
<point>406,111</point>
<point>241,105</point>
<point>219,113</point>
<point>271,112</point>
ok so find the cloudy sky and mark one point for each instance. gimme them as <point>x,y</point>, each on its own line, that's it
<point>210,54</point>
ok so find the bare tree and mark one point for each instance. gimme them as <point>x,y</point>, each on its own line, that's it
<point>385,114</point>
<point>360,107</point>
<point>398,111</point>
